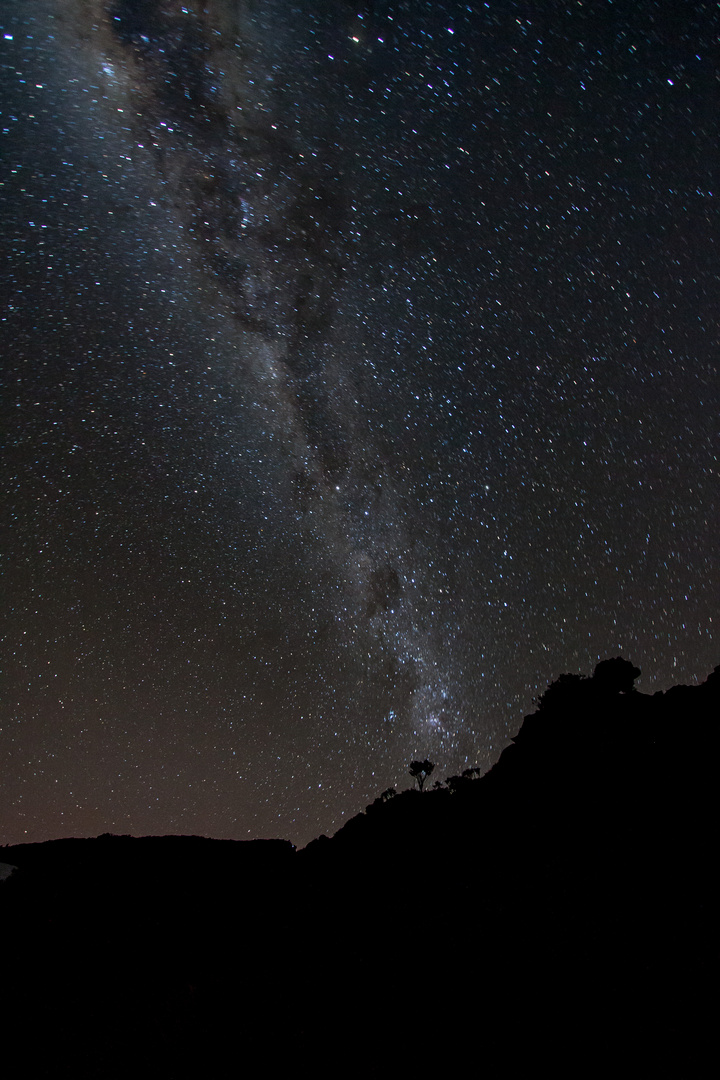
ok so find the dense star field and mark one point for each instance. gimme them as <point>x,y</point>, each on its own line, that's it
<point>359,377</point>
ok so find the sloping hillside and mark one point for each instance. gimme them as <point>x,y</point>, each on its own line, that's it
<point>558,912</point>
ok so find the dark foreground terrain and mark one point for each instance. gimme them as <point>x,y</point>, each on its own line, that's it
<point>557,915</point>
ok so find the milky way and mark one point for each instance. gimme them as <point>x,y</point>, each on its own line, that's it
<point>270,223</point>
<point>362,377</point>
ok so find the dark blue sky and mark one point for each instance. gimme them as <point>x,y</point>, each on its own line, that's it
<point>360,376</point>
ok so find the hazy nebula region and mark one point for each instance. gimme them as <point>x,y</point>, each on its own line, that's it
<point>362,377</point>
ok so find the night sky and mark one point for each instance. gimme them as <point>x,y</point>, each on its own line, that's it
<point>359,377</point>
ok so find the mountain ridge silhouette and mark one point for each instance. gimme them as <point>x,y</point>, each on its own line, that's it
<point>559,910</point>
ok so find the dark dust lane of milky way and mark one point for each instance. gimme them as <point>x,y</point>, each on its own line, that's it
<point>360,376</point>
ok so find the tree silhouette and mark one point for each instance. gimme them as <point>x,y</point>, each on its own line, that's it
<point>458,783</point>
<point>616,676</point>
<point>561,691</point>
<point>420,770</point>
